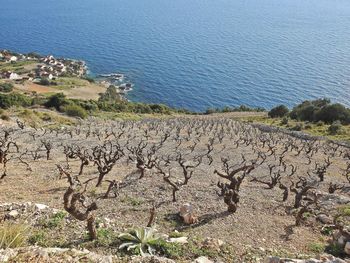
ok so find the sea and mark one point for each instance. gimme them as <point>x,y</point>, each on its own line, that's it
<point>196,54</point>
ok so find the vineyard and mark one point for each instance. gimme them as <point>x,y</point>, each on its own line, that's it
<point>197,179</point>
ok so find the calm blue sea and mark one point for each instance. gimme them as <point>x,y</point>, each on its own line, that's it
<point>196,53</point>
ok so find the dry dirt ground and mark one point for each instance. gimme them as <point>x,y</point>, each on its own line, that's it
<point>262,224</point>
<point>89,91</point>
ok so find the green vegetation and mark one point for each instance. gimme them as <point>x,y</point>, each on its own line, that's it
<point>321,110</point>
<point>6,87</point>
<point>105,237</point>
<point>139,241</point>
<point>38,238</point>
<point>317,248</point>
<point>45,82</point>
<point>336,128</point>
<point>13,235</point>
<point>74,110</point>
<point>241,108</point>
<point>278,112</point>
<point>318,117</point>
<point>15,66</point>
<point>14,99</point>
<point>56,220</point>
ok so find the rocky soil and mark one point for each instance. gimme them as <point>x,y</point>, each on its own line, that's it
<point>264,226</point>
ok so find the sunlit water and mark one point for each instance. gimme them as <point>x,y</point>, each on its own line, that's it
<point>196,53</point>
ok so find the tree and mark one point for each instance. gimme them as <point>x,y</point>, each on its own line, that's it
<point>279,111</point>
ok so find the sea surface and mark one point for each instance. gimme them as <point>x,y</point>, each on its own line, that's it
<point>196,54</point>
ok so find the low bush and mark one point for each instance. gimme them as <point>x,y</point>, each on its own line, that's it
<point>45,82</point>
<point>335,128</point>
<point>241,108</point>
<point>284,121</point>
<point>14,99</point>
<point>278,112</point>
<point>74,110</point>
<point>6,87</point>
<point>57,101</point>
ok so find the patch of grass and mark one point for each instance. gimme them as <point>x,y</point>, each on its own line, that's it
<point>132,200</point>
<point>192,249</point>
<point>315,129</point>
<point>56,220</point>
<point>13,235</point>
<point>15,65</point>
<point>335,249</point>
<point>176,234</point>
<point>106,237</point>
<point>67,83</point>
<point>38,238</point>
<point>317,247</point>
<point>344,210</point>
<point>73,110</point>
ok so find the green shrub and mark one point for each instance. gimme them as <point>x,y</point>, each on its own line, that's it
<point>284,121</point>
<point>57,101</point>
<point>38,238</point>
<point>333,112</point>
<point>321,110</point>
<point>74,110</point>
<point>6,87</point>
<point>56,220</point>
<point>45,82</point>
<point>319,123</point>
<point>335,128</point>
<point>278,112</point>
<point>210,111</point>
<point>335,249</point>
<point>14,99</point>
<point>13,235</point>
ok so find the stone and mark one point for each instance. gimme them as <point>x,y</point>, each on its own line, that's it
<point>13,214</point>
<point>322,259</point>
<point>324,219</point>
<point>188,215</point>
<point>41,206</point>
<point>7,254</point>
<point>180,240</point>
<point>212,243</point>
<point>347,248</point>
<point>150,259</point>
<point>202,260</point>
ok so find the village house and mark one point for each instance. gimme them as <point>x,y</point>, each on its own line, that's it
<point>13,58</point>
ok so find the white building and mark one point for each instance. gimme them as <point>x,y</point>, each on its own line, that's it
<point>13,59</point>
<point>14,76</point>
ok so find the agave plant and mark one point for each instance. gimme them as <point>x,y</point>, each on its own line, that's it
<point>141,240</point>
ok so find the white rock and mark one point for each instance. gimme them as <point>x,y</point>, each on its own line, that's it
<point>6,255</point>
<point>347,248</point>
<point>41,206</point>
<point>202,260</point>
<point>13,214</point>
<point>181,240</point>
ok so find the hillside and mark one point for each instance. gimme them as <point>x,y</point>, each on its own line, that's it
<point>244,193</point>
